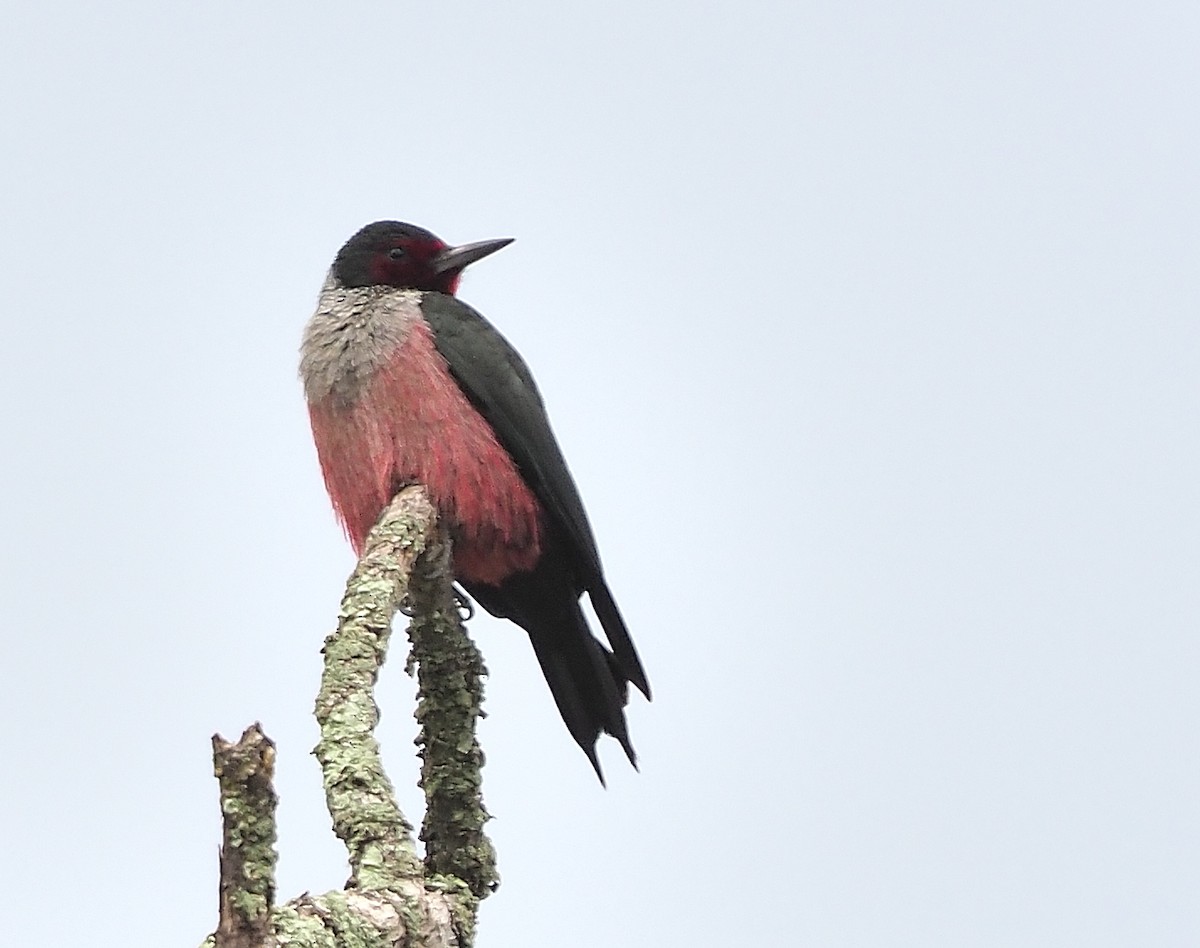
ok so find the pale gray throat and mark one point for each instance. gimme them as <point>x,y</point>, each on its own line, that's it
<point>353,330</point>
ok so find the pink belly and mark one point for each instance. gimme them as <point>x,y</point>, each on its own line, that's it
<point>413,425</point>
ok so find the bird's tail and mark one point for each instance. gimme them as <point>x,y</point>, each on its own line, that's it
<point>585,680</point>
<point>628,664</point>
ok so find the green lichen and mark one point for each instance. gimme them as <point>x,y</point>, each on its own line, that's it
<point>244,771</point>
<point>297,929</point>
<point>450,685</point>
<point>392,897</point>
<point>358,792</point>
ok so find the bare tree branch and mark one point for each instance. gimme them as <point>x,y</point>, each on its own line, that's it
<point>450,686</point>
<point>244,772</point>
<point>357,791</point>
<point>392,897</point>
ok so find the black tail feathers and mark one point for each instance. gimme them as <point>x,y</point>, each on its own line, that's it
<point>625,656</point>
<point>587,683</point>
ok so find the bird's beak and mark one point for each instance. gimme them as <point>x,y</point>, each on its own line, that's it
<point>454,259</point>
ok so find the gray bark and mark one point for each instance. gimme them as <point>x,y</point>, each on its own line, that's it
<point>394,896</point>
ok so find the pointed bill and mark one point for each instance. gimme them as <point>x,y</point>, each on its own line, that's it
<point>453,259</point>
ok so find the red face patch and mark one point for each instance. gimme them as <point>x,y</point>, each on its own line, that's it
<point>407,262</point>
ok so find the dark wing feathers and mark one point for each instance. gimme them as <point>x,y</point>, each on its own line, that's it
<point>499,384</point>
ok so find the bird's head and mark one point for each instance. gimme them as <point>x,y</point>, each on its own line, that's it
<point>390,253</point>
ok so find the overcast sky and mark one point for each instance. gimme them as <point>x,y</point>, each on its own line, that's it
<point>870,332</point>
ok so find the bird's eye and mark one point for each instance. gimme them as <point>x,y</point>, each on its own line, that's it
<point>397,253</point>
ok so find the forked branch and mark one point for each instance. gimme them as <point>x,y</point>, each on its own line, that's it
<point>393,897</point>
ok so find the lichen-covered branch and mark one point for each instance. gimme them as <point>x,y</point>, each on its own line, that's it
<point>357,790</point>
<point>244,770</point>
<point>450,679</point>
<point>392,898</point>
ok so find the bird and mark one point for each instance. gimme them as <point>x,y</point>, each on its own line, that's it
<point>406,384</point>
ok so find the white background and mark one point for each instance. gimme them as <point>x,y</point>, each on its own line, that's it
<point>870,332</point>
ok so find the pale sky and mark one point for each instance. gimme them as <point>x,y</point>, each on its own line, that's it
<point>869,332</point>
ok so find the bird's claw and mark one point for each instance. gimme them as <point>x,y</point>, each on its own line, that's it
<point>462,602</point>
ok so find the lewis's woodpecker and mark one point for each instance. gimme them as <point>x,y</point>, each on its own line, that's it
<point>406,385</point>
